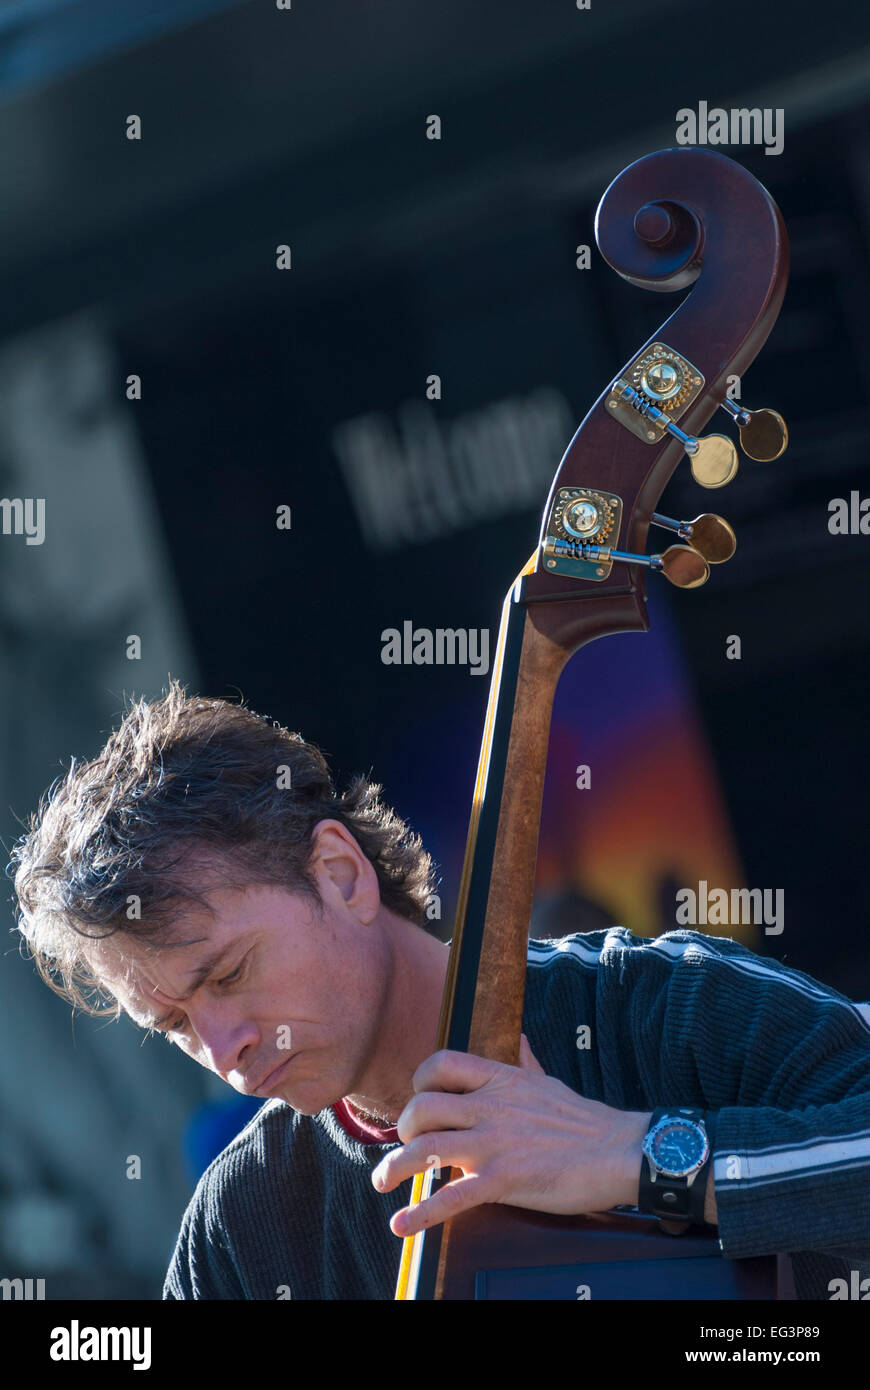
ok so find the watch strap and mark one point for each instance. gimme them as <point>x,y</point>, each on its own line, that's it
<point>676,1198</point>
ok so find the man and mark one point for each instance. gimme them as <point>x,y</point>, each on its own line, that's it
<point>203,875</point>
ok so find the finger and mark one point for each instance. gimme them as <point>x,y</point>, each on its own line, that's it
<point>455,1071</point>
<point>528,1060</point>
<point>460,1195</point>
<point>430,1110</point>
<point>436,1151</point>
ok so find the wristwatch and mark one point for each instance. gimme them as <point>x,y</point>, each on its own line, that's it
<point>673,1173</point>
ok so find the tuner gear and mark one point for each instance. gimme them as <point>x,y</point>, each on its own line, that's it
<point>662,376</point>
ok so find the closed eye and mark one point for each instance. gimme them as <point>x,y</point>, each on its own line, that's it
<point>167,1026</point>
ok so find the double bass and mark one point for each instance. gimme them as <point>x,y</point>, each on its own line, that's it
<point>675,220</point>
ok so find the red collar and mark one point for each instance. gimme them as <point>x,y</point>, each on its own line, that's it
<point>359,1129</point>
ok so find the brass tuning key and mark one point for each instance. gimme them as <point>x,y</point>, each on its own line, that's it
<point>713,460</point>
<point>763,433</point>
<point>681,564</point>
<point>709,534</point>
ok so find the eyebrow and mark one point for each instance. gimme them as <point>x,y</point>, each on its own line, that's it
<point>200,975</point>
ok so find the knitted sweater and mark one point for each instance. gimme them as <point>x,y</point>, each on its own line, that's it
<point>288,1209</point>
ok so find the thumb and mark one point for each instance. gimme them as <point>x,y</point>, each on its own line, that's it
<point>528,1060</point>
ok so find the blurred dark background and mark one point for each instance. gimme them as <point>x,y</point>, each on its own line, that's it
<point>307,389</point>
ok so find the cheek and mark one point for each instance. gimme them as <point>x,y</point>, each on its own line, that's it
<point>333,985</point>
<point>350,993</point>
<point>191,1049</point>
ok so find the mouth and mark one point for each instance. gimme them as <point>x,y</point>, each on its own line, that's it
<point>274,1076</point>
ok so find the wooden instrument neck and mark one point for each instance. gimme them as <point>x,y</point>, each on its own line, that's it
<point>483,997</point>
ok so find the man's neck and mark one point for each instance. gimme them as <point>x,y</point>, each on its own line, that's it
<point>410,1025</point>
<point>376,1121</point>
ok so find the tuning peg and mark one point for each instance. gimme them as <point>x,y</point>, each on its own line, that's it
<point>763,433</point>
<point>709,534</point>
<point>683,566</point>
<point>713,460</point>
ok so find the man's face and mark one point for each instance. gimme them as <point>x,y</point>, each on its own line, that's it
<point>292,997</point>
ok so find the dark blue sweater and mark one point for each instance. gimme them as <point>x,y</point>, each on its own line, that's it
<point>683,1019</point>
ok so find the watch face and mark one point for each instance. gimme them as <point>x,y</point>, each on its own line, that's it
<point>678,1147</point>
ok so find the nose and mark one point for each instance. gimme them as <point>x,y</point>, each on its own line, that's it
<point>227,1040</point>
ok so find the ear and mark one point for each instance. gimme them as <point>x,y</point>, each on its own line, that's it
<point>341,865</point>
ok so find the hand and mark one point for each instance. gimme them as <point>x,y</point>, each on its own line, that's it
<point>518,1136</point>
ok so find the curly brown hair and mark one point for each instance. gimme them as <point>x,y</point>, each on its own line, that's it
<point>188,787</point>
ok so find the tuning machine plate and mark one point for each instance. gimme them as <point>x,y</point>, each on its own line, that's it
<point>581,515</point>
<point>666,384</point>
<point>664,377</point>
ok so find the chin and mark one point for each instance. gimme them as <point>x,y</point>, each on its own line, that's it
<point>309,1098</point>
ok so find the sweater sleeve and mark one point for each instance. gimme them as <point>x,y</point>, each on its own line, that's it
<point>202,1267</point>
<point>783,1064</point>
